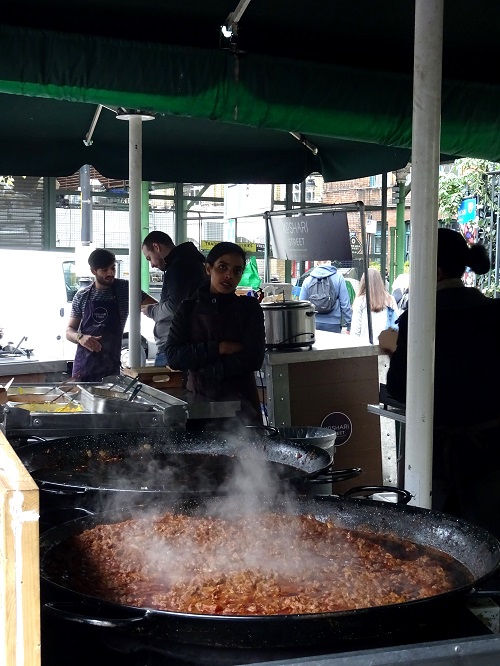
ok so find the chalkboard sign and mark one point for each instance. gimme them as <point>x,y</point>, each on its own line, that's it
<point>316,237</point>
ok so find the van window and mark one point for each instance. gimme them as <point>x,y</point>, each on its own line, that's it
<point>70,279</point>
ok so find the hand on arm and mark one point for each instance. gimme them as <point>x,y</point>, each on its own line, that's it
<point>90,342</point>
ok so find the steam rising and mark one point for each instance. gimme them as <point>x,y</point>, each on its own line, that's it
<point>248,488</point>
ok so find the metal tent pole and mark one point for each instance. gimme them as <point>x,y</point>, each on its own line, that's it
<point>135,204</point>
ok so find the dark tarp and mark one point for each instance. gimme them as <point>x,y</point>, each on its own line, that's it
<point>45,136</point>
<point>338,72</point>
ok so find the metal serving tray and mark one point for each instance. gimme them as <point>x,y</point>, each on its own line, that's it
<point>151,409</point>
<point>98,400</point>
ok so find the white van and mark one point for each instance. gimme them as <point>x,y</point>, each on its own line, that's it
<point>36,290</point>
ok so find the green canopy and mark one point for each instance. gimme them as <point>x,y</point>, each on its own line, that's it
<point>337,74</point>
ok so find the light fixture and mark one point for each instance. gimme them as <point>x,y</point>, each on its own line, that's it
<point>230,27</point>
<point>402,174</point>
<point>127,114</point>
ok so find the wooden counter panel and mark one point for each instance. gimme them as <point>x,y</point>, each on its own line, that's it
<point>346,386</point>
<point>19,562</point>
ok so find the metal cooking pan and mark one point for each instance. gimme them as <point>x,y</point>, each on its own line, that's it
<point>166,461</point>
<point>471,546</point>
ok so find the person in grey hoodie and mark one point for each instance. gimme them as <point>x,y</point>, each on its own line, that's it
<point>341,314</point>
<point>184,273</point>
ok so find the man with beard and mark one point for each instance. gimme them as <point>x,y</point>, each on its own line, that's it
<point>184,273</point>
<point>97,320</point>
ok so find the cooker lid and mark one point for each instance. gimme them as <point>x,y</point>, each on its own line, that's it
<point>286,305</point>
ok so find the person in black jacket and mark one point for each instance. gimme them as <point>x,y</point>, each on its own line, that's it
<point>219,338</point>
<point>183,269</point>
<point>466,436</point>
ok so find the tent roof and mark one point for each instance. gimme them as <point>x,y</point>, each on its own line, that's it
<point>337,72</point>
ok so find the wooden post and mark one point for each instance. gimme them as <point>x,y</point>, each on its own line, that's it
<point>19,562</point>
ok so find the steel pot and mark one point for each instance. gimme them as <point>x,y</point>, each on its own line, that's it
<point>289,324</point>
<point>470,546</point>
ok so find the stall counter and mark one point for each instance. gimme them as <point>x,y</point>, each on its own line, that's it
<point>330,386</point>
<point>33,371</point>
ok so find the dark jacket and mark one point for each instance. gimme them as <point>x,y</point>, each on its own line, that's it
<point>467,353</point>
<point>184,274</point>
<point>193,344</point>
<point>466,435</point>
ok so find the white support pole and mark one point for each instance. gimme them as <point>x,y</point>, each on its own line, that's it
<point>135,193</point>
<point>423,251</point>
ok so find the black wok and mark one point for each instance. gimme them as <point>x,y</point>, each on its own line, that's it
<point>471,546</point>
<point>166,461</point>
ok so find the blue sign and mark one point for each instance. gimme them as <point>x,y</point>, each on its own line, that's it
<point>467,211</point>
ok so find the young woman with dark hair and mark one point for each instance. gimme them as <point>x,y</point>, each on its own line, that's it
<point>218,337</point>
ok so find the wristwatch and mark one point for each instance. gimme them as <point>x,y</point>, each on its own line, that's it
<point>79,336</point>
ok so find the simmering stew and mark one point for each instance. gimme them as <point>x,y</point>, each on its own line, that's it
<point>266,564</point>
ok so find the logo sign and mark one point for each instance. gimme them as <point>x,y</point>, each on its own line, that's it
<point>319,237</point>
<point>342,425</point>
<point>209,244</point>
<point>355,244</point>
<point>100,315</point>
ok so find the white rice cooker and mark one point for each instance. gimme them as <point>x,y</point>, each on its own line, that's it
<point>289,324</point>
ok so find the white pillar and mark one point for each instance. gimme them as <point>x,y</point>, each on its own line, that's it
<point>134,202</point>
<point>423,251</point>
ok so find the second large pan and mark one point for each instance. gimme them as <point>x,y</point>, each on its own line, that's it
<point>171,460</point>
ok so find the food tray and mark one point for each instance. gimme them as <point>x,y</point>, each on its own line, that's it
<point>39,398</point>
<point>51,407</point>
<point>100,400</point>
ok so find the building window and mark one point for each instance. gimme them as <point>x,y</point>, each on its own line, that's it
<point>376,181</point>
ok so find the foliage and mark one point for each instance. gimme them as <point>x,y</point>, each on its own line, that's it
<point>471,177</point>
<point>6,181</point>
<point>467,177</point>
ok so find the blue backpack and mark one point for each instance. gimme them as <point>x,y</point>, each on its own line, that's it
<point>322,294</point>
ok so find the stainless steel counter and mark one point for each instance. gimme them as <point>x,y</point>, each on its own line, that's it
<point>19,367</point>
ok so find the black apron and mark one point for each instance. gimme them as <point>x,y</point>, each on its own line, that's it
<point>99,318</point>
